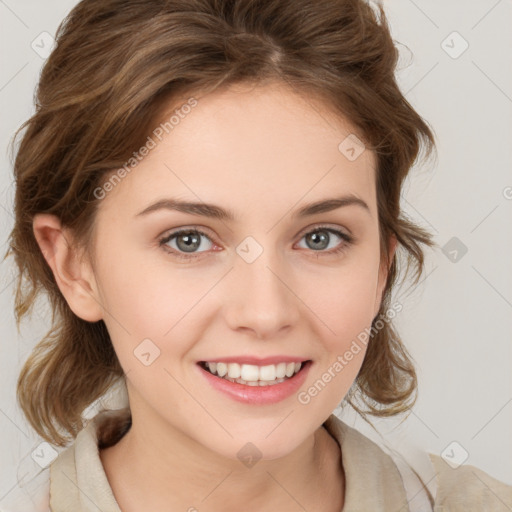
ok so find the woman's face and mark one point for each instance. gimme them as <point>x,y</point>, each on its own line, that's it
<point>269,285</point>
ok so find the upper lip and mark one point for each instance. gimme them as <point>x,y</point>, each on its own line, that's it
<point>258,361</point>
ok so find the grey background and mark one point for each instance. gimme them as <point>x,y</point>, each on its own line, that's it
<point>458,322</point>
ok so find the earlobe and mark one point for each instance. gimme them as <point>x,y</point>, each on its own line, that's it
<point>73,276</point>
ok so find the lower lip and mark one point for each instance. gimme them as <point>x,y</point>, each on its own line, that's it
<point>258,395</point>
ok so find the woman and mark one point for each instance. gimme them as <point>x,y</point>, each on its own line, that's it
<point>209,193</point>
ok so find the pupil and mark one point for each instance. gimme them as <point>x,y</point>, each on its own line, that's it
<point>322,237</point>
<point>191,242</point>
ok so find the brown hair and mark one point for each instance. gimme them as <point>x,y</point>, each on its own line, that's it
<point>115,65</point>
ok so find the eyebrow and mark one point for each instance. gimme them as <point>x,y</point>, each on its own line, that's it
<point>217,212</point>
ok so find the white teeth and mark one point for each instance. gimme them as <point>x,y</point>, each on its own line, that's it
<point>267,372</point>
<point>249,372</point>
<point>254,375</point>
<point>234,370</point>
<point>222,368</point>
<point>280,370</point>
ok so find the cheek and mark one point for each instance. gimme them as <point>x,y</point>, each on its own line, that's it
<point>147,301</point>
<point>345,308</point>
<point>344,301</point>
<point>145,293</point>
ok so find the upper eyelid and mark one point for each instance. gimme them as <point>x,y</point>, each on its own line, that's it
<point>301,233</point>
<point>327,227</point>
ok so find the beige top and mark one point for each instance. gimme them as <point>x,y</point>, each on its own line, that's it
<point>373,481</point>
<point>365,469</point>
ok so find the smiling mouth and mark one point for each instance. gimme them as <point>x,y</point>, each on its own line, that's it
<point>253,375</point>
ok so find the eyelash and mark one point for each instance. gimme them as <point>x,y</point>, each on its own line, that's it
<point>347,241</point>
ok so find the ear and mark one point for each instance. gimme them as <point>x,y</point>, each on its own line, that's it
<point>383,274</point>
<point>74,277</point>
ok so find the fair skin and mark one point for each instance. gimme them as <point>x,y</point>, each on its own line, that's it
<point>263,153</point>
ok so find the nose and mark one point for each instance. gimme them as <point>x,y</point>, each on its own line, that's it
<point>263,299</point>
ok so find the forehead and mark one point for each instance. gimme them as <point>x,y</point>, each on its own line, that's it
<point>248,146</point>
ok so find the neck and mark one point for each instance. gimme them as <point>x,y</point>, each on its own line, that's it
<point>151,469</point>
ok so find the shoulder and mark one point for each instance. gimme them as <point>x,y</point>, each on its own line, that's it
<point>32,491</point>
<point>428,481</point>
<point>78,470</point>
<point>469,488</point>
<point>372,479</point>
<point>30,496</point>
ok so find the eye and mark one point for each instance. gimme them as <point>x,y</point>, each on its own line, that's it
<point>185,243</point>
<point>319,239</point>
<point>187,240</point>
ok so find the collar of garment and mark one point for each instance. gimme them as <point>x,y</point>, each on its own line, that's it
<point>372,480</point>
